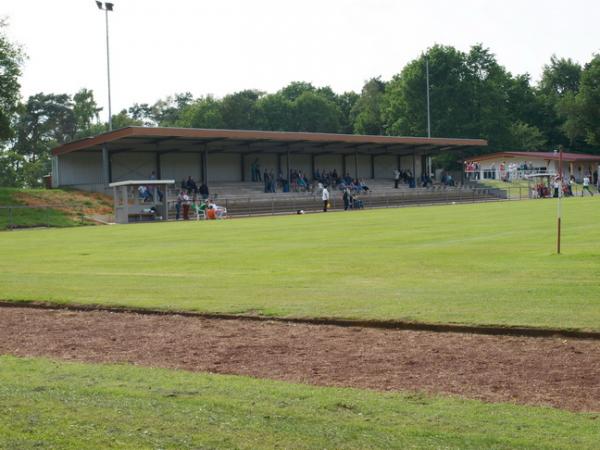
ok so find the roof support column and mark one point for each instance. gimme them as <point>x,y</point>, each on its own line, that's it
<point>106,168</point>
<point>204,159</point>
<point>287,163</point>
<point>372,167</point>
<point>157,164</point>
<point>343,174</point>
<point>243,167</point>
<point>312,166</point>
<point>356,165</point>
<point>278,164</point>
<point>414,170</point>
<point>398,162</point>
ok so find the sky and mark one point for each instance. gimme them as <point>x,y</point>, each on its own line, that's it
<point>158,48</point>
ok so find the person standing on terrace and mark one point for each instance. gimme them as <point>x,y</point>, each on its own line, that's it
<point>325,198</point>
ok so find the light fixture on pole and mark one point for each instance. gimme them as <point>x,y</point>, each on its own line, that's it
<point>106,7</point>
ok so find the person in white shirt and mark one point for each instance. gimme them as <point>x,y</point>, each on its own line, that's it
<point>586,186</point>
<point>325,198</point>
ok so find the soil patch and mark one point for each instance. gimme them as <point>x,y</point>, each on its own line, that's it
<point>559,372</point>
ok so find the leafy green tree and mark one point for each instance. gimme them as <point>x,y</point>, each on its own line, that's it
<point>11,58</point>
<point>44,121</point>
<point>167,112</point>
<point>85,110</point>
<point>366,112</point>
<point>202,113</point>
<point>524,137</point>
<point>123,119</point>
<point>239,110</point>
<point>143,113</point>
<point>488,102</point>
<point>275,113</point>
<point>11,163</point>
<point>345,103</point>
<point>560,82</point>
<point>314,113</point>
<point>581,111</point>
<point>296,88</point>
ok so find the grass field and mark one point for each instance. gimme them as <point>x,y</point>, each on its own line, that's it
<point>471,264</point>
<point>51,405</point>
<point>49,208</point>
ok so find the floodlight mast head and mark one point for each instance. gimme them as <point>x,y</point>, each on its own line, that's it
<point>106,6</point>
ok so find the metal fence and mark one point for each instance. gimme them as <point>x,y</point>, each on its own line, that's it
<point>533,192</point>
<point>281,204</point>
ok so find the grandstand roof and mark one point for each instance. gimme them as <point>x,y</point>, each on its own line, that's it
<point>236,141</point>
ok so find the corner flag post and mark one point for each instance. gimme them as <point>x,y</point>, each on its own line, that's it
<point>560,191</point>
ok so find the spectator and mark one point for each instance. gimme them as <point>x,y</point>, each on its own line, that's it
<point>347,197</point>
<point>586,186</point>
<point>325,198</point>
<point>203,190</point>
<point>145,194</point>
<point>150,187</point>
<point>186,206</point>
<point>178,203</point>
<point>191,186</point>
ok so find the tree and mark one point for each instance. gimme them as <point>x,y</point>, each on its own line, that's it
<point>314,113</point>
<point>275,113</point>
<point>44,121</point>
<point>581,111</point>
<point>239,110</point>
<point>202,113</point>
<point>366,112</point>
<point>143,113</point>
<point>11,58</point>
<point>167,112</point>
<point>524,137</point>
<point>345,103</point>
<point>295,89</point>
<point>559,83</point>
<point>405,99</point>
<point>85,110</point>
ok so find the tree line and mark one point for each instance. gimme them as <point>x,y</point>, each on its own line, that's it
<point>471,95</point>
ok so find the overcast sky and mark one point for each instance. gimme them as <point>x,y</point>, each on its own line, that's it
<point>222,46</point>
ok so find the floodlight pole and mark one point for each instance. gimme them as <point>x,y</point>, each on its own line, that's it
<point>108,73</point>
<point>560,178</point>
<point>428,107</point>
<point>106,7</point>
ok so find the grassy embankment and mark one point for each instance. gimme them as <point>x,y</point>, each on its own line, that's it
<point>67,405</point>
<point>49,208</point>
<point>470,264</point>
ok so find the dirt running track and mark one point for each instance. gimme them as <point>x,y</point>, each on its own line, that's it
<point>563,373</point>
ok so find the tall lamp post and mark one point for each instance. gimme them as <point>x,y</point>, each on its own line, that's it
<point>106,7</point>
<point>428,107</point>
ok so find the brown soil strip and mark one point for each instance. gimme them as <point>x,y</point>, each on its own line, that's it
<point>564,373</point>
<point>494,330</point>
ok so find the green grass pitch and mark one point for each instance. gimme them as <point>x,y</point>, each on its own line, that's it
<point>77,406</point>
<point>469,264</point>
